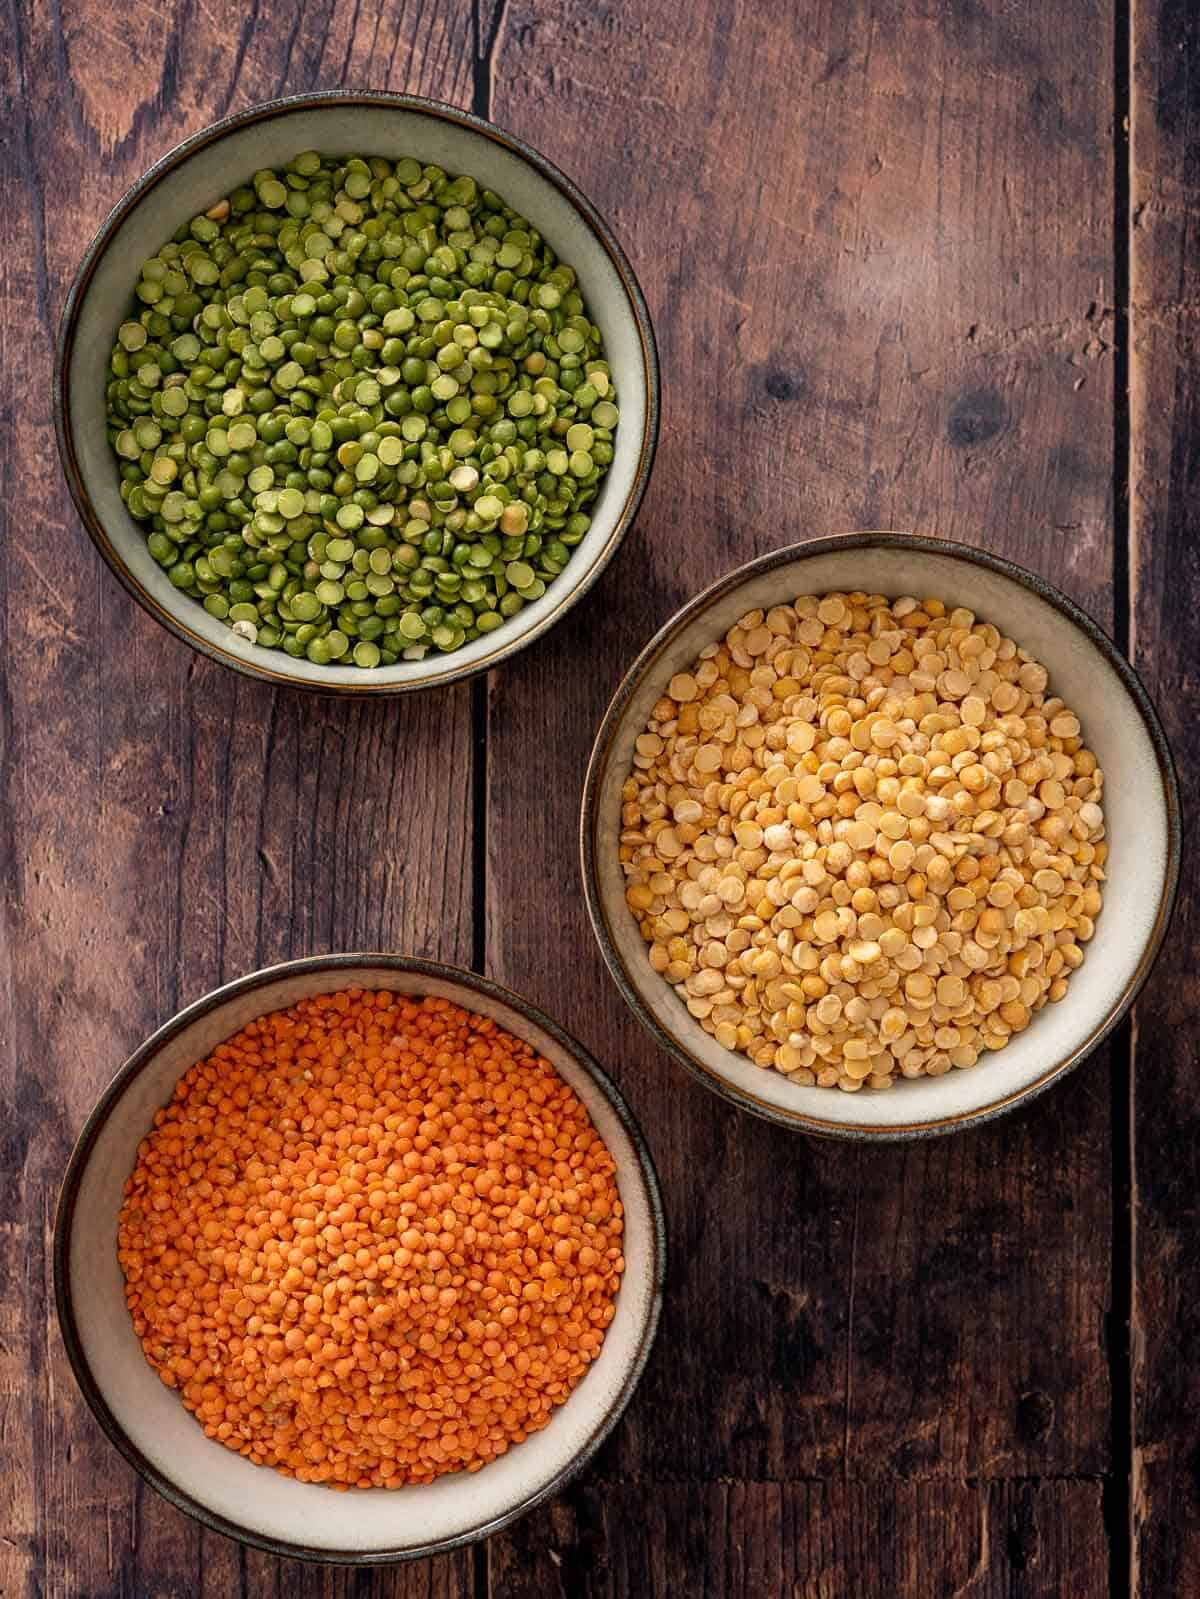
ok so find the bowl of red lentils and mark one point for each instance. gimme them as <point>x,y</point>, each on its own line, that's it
<point>880,836</point>
<point>359,1258</point>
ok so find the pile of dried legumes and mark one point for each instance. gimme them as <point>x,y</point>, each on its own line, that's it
<point>862,838</point>
<point>372,1239</point>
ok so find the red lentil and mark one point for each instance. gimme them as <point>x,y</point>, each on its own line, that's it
<point>371,1240</point>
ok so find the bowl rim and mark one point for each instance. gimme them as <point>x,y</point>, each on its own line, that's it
<point>589,817</point>
<point>64,1298</point>
<point>263,111</point>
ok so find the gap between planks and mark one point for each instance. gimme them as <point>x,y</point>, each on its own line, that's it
<point>1120,1487</point>
<point>487,22</point>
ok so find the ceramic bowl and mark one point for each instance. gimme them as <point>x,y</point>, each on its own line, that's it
<point>208,165</point>
<point>256,1504</point>
<point>1141,813</point>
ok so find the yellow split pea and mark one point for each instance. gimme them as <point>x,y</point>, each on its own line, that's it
<point>861,837</point>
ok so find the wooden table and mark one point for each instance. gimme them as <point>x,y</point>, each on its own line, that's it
<point>913,264</point>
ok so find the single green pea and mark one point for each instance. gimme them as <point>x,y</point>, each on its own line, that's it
<point>305,606</point>
<point>519,574</point>
<point>175,401</point>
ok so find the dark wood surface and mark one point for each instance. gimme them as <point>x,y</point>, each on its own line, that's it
<point>910,266</point>
<point>1164,391</point>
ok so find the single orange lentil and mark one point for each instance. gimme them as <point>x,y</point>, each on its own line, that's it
<point>372,1240</point>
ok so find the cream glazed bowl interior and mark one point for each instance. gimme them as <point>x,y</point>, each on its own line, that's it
<point>146,1420</point>
<point>187,181</point>
<point>1141,803</point>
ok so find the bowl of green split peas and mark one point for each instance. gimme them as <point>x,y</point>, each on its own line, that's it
<point>356,393</point>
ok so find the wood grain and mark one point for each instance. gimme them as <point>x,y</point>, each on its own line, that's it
<point>1164,501</point>
<point>166,825</point>
<point>810,1540</point>
<point>876,307</point>
<point>878,240</point>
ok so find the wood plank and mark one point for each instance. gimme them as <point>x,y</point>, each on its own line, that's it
<point>809,1540</point>
<point>877,243</point>
<point>447,1577</point>
<point>166,825</point>
<point>1164,501</point>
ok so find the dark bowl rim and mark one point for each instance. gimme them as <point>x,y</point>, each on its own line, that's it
<point>265,111</point>
<point>68,1321</point>
<point>598,764</point>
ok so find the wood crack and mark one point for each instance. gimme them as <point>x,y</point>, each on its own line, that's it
<point>487,25</point>
<point>1090,326</point>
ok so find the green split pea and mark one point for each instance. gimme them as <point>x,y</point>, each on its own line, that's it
<point>361,410</point>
